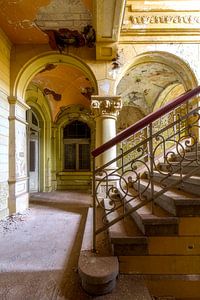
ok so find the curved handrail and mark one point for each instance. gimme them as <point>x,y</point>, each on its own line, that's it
<point>146,120</point>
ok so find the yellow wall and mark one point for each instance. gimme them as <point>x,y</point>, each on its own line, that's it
<point>5,47</point>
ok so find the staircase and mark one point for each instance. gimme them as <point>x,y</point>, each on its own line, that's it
<point>151,202</point>
<point>162,237</point>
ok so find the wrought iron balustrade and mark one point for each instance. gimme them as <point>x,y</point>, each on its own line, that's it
<point>163,137</point>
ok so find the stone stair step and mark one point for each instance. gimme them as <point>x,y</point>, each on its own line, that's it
<point>160,264</point>
<point>151,224</point>
<point>190,184</point>
<point>178,203</point>
<point>175,167</point>
<point>125,237</point>
<point>182,287</point>
<point>187,155</point>
<point>173,245</point>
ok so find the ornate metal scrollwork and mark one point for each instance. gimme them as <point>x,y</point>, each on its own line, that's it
<point>163,147</point>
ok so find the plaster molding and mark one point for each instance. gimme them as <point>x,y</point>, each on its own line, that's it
<point>160,5</point>
<point>160,21</point>
<point>16,179</point>
<point>101,106</point>
<point>37,63</point>
<point>16,101</point>
<point>17,119</point>
<point>164,19</point>
<point>108,19</point>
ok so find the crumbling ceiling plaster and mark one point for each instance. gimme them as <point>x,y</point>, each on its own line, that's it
<point>64,80</point>
<point>142,84</point>
<point>18,18</point>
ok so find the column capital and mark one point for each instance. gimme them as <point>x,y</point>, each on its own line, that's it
<point>105,105</point>
<point>15,101</point>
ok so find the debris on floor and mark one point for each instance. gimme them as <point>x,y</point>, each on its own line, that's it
<point>12,222</point>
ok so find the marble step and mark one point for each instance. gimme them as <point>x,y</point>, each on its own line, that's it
<point>160,264</point>
<point>187,155</point>
<point>174,167</point>
<point>178,203</point>
<point>191,184</point>
<point>125,237</point>
<point>173,287</point>
<point>128,240</point>
<point>158,223</point>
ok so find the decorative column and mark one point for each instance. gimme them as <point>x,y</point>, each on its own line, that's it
<point>105,110</point>
<point>18,177</point>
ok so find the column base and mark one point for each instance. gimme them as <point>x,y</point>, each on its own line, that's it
<point>4,213</point>
<point>19,204</point>
<point>18,200</point>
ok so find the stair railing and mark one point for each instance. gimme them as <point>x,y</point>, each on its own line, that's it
<point>163,137</point>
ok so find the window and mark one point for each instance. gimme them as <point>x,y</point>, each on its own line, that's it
<point>76,137</point>
<point>32,156</point>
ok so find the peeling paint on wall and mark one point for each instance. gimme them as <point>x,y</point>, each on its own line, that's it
<point>142,84</point>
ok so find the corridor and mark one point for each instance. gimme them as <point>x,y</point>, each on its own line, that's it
<point>40,250</point>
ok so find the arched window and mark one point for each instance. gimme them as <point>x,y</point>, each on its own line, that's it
<point>76,137</point>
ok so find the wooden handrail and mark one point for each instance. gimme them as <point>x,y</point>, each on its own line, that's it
<point>146,120</point>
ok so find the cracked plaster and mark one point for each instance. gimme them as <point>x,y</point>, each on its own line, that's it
<point>73,15</point>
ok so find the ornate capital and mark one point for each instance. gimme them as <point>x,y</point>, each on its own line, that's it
<point>106,105</point>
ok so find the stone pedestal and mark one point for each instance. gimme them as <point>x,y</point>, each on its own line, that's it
<point>18,177</point>
<point>105,111</point>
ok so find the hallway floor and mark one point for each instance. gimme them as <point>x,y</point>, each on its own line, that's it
<point>40,250</point>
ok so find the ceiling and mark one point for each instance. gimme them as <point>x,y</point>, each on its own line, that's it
<point>24,22</point>
<point>142,85</point>
<point>63,85</point>
<point>21,19</point>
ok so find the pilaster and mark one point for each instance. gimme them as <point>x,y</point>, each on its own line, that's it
<point>18,175</point>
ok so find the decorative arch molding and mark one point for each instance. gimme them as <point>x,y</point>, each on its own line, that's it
<point>67,115</point>
<point>37,63</point>
<point>34,98</point>
<point>174,62</point>
<point>70,113</point>
<point>169,93</point>
<point>76,112</point>
<point>41,109</point>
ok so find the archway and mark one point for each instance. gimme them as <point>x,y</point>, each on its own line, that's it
<point>49,83</point>
<point>152,79</point>
<point>39,63</point>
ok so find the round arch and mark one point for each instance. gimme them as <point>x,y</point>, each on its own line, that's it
<point>43,113</point>
<point>174,62</point>
<point>68,115</point>
<point>37,63</point>
<point>170,92</point>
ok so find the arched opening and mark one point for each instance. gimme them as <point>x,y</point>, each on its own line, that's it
<point>153,79</point>
<point>51,83</point>
<point>168,94</point>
